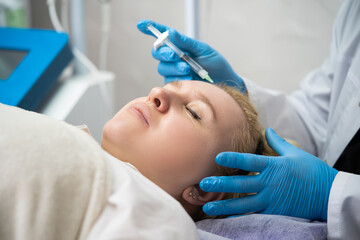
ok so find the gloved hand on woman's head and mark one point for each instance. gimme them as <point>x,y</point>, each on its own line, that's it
<point>174,69</point>
<point>295,183</point>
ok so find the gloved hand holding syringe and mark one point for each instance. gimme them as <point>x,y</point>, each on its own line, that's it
<point>163,39</point>
<point>172,68</point>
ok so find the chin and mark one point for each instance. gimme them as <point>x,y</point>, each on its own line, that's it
<point>104,143</point>
<point>107,141</point>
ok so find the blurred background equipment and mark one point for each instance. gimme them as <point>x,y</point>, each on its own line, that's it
<point>37,76</point>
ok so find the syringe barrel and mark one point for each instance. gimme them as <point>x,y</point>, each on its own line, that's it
<point>174,47</point>
<point>186,58</point>
<point>154,31</point>
<point>194,65</point>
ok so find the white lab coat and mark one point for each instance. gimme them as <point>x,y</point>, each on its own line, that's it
<point>324,115</point>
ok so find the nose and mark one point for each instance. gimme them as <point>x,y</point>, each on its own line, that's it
<point>160,98</point>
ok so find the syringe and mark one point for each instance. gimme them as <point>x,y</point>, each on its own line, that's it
<point>163,39</point>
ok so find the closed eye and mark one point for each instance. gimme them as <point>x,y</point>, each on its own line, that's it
<point>193,113</point>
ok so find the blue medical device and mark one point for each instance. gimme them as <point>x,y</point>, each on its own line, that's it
<point>31,61</point>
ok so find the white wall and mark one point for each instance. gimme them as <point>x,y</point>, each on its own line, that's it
<point>274,43</point>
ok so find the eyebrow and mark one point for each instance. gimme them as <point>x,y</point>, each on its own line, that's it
<point>203,98</point>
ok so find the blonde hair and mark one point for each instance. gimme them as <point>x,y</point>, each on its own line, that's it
<point>247,138</point>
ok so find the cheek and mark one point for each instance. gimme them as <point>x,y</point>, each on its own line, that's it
<point>183,149</point>
<point>110,139</point>
<point>122,124</point>
<point>116,132</point>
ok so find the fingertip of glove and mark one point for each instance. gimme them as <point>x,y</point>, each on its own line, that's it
<point>207,209</point>
<point>212,208</point>
<point>205,183</point>
<point>270,131</point>
<point>141,21</point>
<point>167,54</point>
<point>221,157</point>
<point>164,53</point>
<point>141,24</point>
<point>272,136</point>
<point>183,68</point>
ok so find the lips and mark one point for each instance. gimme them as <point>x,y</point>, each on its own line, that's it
<point>142,111</point>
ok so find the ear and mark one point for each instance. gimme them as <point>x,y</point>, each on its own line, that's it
<point>195,196</point>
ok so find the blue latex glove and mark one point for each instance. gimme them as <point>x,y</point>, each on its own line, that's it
<point>174,69</point>
<point>295,183</point>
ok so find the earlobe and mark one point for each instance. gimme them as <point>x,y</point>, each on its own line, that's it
<point>195,196</point>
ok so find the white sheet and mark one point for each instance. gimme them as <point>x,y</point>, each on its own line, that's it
<point>55,180</point>
<point>139,209</point>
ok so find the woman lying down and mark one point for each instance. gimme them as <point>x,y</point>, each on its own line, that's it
<point>56,182</point>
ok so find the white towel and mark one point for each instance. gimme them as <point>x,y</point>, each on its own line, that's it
<point>54,178</point>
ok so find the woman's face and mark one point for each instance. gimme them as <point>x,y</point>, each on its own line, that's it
<point>173,135</point>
